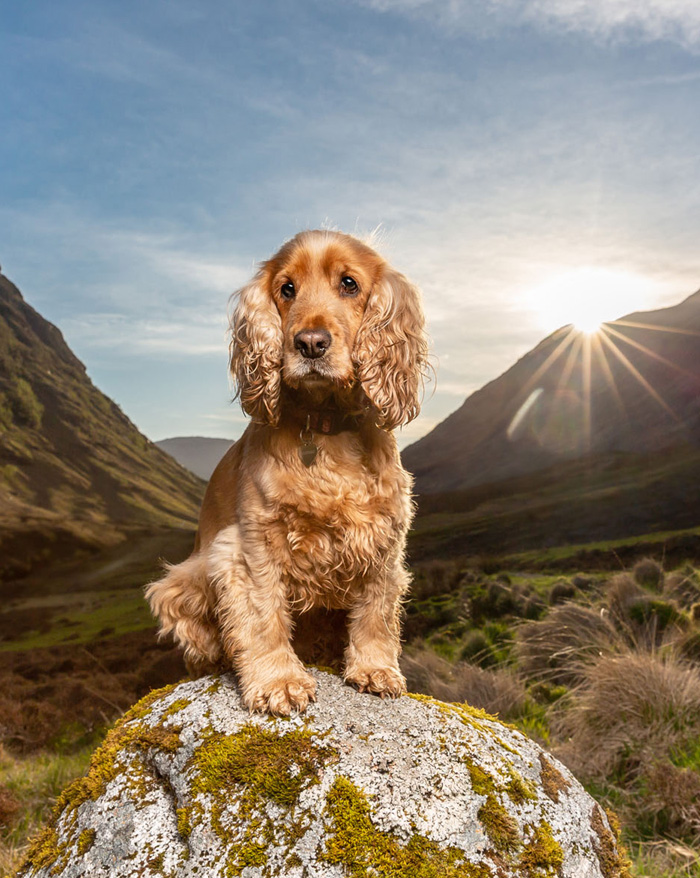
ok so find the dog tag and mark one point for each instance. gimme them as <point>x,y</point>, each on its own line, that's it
<point>308,452</point>
<point>308,448</point>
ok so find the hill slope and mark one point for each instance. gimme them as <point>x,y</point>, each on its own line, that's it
<point>72,465</point>
<point>198,454</point>
<point>634,387</point>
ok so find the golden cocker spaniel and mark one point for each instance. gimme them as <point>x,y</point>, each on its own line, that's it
<point>311,505</point>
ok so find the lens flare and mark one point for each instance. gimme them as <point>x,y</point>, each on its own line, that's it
<point>588,297</point>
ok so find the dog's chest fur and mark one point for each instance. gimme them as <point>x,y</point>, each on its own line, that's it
<point>336,523</point>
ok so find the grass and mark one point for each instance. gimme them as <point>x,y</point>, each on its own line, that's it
<point>664,859</point>
<point>600,505</point>
<point>560,557</point>
<point>100,614</point>
<point>28,788</point>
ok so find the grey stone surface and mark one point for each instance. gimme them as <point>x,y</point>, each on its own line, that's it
<point>189,785</point>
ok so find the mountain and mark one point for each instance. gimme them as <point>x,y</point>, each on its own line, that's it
<point>631,388</point>
<point>198,454</point>
<point>74,470</point>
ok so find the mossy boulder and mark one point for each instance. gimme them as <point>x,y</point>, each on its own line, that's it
<point>189,783</point>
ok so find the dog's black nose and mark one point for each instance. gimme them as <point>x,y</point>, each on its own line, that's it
<point>312,343</point>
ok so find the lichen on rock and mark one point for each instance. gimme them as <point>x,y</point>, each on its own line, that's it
<point>190,784</point>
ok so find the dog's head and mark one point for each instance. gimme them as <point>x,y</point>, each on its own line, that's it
<point>327,313</point>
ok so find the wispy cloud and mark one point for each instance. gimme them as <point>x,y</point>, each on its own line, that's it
<point>185,337</point>
<point>162,293</point>
<point>645,20</point>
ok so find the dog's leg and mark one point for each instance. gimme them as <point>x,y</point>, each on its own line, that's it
<point>372,656</point>
<point>256,627</point>
<point>183,602</point>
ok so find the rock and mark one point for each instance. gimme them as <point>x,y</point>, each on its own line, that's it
<point>190,784</point>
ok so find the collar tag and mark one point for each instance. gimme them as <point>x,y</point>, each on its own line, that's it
<point>308,448</point>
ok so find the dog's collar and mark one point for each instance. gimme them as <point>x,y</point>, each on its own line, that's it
<point>329,421</point>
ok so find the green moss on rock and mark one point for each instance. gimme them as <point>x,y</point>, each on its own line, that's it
<point>356,844</point>
<point>245,772</point>
<point>542,856</point>
<point>184,827</point>
<point>86,839</point>
<point>519,789</point>
<point>266,765</point>
<point>129,734</point>
<point>499,825</point>
<point>177,705</point>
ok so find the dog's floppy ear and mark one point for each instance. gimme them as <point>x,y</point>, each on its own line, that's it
<point>256,351</point>
<point>391,350</point>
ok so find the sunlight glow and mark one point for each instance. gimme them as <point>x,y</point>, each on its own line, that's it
<point>555,405</point>
<point>588,297</point>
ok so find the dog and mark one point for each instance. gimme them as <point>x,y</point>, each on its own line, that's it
<point>311,506</point>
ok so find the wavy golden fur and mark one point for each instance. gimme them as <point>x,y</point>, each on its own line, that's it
<point>326,340</point>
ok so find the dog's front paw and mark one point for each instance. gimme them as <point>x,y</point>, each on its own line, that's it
<point>385,682</point>
<point>281,696</point>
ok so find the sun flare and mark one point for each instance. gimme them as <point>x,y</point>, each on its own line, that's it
<point>588,297</point>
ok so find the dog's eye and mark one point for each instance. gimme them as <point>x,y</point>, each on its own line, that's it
<point>348,286</point>
<point>287,290</point>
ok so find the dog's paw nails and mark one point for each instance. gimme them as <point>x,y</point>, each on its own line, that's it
<point>282,697</point>
<point>385,682</point>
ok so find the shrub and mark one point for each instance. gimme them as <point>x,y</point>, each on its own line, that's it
<point>499,599</point>
<point>672,799</point>
<point>582,582</point>
<point>649,573</point>
<point>5,412</point>
<point>477,649</point>
<point>682,587</point>
<point>435,578</point>
<point>660,613</point>
<point>561,591</point>
<point>533,607</point>
<point>26,408</point>
<point>688,646</point>
<point>621,592</point>
<point>492,599</point>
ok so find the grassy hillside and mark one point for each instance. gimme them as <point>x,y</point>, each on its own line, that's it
<point>74,471</point>
<point>623,498</point>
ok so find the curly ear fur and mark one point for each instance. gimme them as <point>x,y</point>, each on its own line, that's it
<point>256,351</point>
<point>391,350</point>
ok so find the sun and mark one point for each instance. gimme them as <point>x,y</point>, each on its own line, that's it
<point>588,297</point>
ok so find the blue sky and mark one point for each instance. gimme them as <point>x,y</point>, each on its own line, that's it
<point>519,158</point>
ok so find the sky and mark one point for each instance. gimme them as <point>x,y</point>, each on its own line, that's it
<point>528,163</point>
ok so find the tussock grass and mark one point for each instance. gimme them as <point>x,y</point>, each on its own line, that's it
<point>496,691</point>
<point>559,647</point>
<point>643,712</point>
<point>638,708</point>
<point>649,573</point>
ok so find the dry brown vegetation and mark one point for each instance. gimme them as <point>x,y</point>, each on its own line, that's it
<point>612,659</point>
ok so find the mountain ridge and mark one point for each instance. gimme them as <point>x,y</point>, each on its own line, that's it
<point>73,467</point>
<point>198,454</point>
<point>641,394</point>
